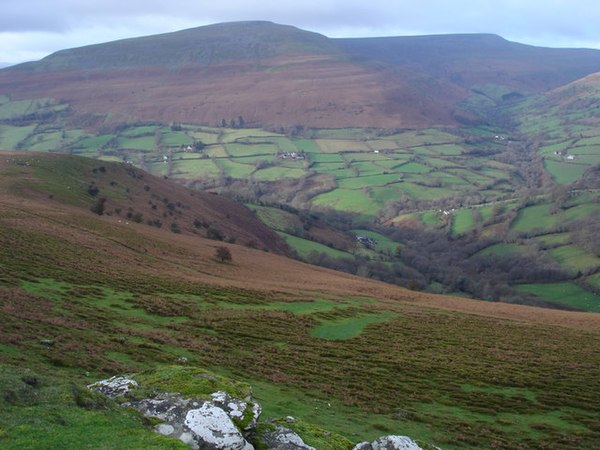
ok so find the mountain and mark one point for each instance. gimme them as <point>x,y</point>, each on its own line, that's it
<point>278,75</point>
<point>85,296</point>
<point>473,59</point>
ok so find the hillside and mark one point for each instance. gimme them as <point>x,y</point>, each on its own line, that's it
<point>125,195</point>
<point>85,296</point>
<point>275,75</point>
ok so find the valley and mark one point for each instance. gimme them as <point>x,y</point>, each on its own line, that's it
<point>500,201</point>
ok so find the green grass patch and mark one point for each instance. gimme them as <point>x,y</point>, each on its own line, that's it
<point>568,294</point>
<point>564,172</point>
<point>536,217</point>
<point>239,150</point>
<point>305,247</point>
<point>42,410</point>
<point>555,239</point>
<point>348,327</point>
<point>594,280</point>
<point>175,139</point>
<point>194,168</point>
<point>357,201</point>
<point>430,218</point>
<point>12,136</point>
<point>462,221</point>
<point>371,180</point>
<point>278,173</point>
<point>307,145</point>
<point>137,143</point>
<point>234,169</point>
<point>420,192</point>
<point>140,131</point>
<point>575,258</point>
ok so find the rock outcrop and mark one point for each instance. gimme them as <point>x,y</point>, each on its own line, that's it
<point>281,438</point>
<point>390,443</point>
<point>219,420</point>
<point>208,425</point>
<point>201,424</point>
<point>115,386</point>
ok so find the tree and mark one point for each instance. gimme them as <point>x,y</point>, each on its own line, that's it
<point>98,206</point>
<point>223,254</point>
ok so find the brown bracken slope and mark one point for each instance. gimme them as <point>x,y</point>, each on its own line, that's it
<point>274,75</point>
<point>118,248</point>
<point>129,197</point>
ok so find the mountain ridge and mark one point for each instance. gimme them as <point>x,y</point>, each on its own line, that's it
<point>278,75</point>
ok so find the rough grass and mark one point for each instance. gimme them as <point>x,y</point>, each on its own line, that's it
<point>399,376</point>
<point>40,410</point>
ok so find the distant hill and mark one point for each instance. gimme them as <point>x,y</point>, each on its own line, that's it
<point>276,75</point>
<point>212,44</point>
<point>470,59</point>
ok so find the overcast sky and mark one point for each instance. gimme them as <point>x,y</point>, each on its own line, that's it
<point>32,29</point>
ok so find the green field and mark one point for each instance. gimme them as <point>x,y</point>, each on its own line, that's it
<point>575,258</point>
<point>357,201</point>
<point>277,173</point>
<point>568,294</point>
<point>462,221</point>
<point>305,248</point>
<point>565,172</point>
<point>194,168</point>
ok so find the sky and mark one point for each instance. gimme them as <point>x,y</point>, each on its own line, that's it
<point>32,29</point>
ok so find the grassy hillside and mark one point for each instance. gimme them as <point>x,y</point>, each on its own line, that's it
<point>84,296</point>
<point>126,195</point>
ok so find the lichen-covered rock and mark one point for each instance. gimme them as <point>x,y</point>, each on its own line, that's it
<point>363,446</point>
<point>281,438</point>
<point>389,443</point>
<point>116,386</point>
<point>244,413</point>
<point>211,425</point>
<point>198,423</point>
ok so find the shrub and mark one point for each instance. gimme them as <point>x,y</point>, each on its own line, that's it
<point>98,206</point>
<point>223,254</point>
<point>214,233</point>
